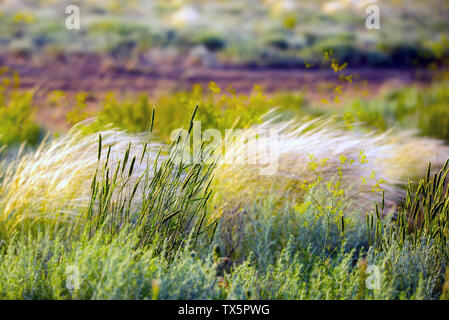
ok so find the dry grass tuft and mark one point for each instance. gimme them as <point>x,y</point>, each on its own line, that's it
<point>53,183</point>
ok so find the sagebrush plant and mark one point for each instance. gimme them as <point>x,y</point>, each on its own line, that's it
<point>422,217</point>
<point>117,270</point>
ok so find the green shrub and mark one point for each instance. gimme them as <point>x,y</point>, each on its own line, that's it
<point>212,41</point>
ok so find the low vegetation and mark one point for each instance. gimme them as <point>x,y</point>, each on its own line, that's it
<point>116,215</point>
<point>350,202</point>
<point>263,33</point>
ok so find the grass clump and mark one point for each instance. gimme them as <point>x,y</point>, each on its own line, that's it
<point>423,110</point>
<point>17,124</point>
